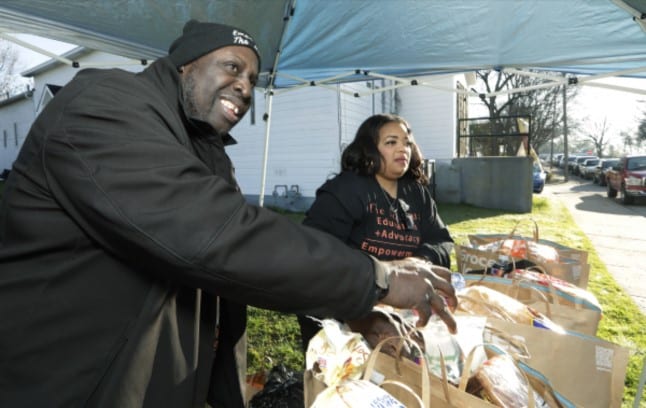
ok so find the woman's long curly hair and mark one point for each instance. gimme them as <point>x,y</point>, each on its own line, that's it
<point>362,155</point>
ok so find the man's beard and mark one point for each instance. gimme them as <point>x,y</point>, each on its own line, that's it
<point>193,112</point>
<point>188,95</point>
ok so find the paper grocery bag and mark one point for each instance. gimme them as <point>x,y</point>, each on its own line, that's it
<point>443,394</point>
<point>587,370</point>
<point>566,252</point>
<point>473,260</point>
<point>508,381</point>
<point>383,369</point>
<point>470,259</point>
<point>565,309</point>
<point>569,264</point>
<point>364,394</point>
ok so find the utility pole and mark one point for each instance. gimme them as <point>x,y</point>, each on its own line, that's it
<point>553,132</point>
<point>565,147</point>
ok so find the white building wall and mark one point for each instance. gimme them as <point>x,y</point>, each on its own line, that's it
<point>432,115</point>
<point>311,126</point>
<point>309,129</point>
<point>303,142</point>
<point>15,120</point>
<point>354,110</point>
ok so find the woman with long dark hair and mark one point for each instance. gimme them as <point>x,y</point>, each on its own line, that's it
<point>380,202</point>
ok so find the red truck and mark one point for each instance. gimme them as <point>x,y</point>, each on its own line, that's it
<point>629,177</point>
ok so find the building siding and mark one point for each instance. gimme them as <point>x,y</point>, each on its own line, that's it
<point>432,115</point>
<point>303,142</point>
<point>15,120</point>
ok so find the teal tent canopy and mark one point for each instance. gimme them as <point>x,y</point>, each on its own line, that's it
<point>344,40</point>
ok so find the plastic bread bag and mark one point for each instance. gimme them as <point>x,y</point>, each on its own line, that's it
<point>576,294</point>
<point>483,301</point>
<point>500,381</point>
<point>336,354</point>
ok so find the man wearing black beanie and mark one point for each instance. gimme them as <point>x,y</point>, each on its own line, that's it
<point>128,254</point>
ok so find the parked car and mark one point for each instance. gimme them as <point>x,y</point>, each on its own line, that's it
<point>539,175</point>
<point>556,159</point>
<point>599,175</point>
<point>587,168</point>
<point>628,176</point>
<point>570,160</point>
<point>576,165</point>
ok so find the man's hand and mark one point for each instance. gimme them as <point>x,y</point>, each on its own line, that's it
<point>417,284</point>
<point>379,325</point>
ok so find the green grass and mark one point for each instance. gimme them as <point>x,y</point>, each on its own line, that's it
<point>274,337</point>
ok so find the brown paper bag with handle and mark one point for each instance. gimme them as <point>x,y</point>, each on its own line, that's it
<point>539,391</point>
<point>562,308</point>
<point>577,255</point>
<point>442,393</point>
<point>405,380</point>
<point>587,370</point>
<point>386,370</point>
<point>571,265</point>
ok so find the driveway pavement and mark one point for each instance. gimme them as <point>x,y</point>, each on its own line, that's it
<point>618,232</point>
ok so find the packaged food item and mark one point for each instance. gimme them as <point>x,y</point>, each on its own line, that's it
<point>336,354</point>
<point>501,382</point>
<point>568,293</point>
<point>522,249</point>
<point>483,301</point>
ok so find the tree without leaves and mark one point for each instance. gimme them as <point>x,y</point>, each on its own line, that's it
<point>641,130</point>
<point>543,105</point>
<point>599,136</point>
<point>8,59</point>
<point>627,140</point>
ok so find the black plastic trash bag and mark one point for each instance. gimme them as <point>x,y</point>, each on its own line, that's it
<point>283,389</point>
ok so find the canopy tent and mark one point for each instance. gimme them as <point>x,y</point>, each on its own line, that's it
<point>314,42</point>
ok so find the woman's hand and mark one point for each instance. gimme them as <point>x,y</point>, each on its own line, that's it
<point>379,325</point>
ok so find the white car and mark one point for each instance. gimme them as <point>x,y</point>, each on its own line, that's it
<point>588,168</point>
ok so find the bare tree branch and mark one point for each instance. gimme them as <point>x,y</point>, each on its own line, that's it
<point>544,105</point>
<point>8,59</point>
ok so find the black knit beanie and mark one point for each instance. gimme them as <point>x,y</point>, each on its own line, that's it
<point>200,38</point>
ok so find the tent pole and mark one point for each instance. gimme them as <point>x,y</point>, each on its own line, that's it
<point>36,49</point>
<point>269,96</point>
<point>268,102</point>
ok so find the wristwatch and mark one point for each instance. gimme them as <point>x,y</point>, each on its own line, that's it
<point>382,280</point>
